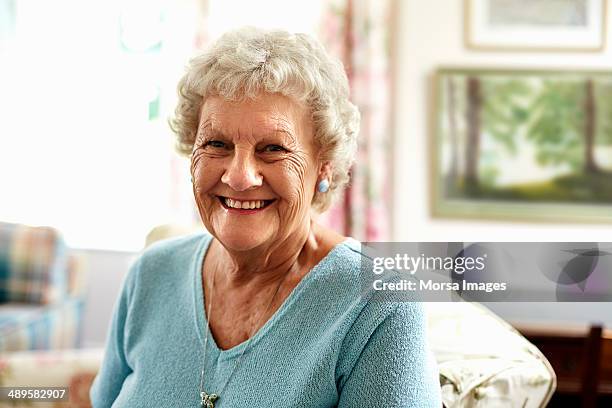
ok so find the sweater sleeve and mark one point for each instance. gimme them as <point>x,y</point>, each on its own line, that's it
<point>114,368</point>
<point>394,368</point>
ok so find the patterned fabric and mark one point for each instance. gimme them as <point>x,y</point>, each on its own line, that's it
<point>35,327</point>
<point>74,369</point>
<point>357,32</point>
<point>41,290</point>
<point>501,369</point>
<point>33,264</point>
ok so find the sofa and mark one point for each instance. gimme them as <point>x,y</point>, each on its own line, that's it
<point>41,290</point>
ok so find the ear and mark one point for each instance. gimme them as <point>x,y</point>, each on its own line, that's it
<point>325,171</point>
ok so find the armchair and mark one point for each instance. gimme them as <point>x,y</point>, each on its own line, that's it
<point>41,290</point>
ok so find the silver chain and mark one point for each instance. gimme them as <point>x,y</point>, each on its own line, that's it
<point>248,343</point>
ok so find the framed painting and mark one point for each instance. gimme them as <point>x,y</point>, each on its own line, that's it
<point>535,25</point>
<point>522,144</point>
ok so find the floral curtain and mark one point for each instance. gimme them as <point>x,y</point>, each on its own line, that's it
<point>357,31</point>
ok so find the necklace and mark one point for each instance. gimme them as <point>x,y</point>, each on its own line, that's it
<point>207,400</point>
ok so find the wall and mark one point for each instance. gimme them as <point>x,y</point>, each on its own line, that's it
<point>105,273</point>
<point>430,34</point>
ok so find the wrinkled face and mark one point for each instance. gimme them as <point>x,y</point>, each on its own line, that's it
<point>254,169</point>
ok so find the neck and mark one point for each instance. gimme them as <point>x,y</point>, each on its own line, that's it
<point>264,265</point>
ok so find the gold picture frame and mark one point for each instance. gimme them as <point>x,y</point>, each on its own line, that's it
<point>523,172</point>
<point>530,25</point>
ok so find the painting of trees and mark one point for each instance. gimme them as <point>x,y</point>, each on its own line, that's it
<point>563,124</point>
<point>527,136</point>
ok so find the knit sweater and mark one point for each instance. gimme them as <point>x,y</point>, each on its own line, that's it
<point>329,344</point>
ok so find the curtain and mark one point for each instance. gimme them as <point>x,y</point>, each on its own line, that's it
<point>357,32</point>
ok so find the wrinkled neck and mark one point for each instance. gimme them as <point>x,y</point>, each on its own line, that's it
<point>267,264</point>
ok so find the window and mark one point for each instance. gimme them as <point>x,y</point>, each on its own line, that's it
<point>86,88</point>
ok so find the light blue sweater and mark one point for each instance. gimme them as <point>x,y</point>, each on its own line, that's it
<point>327,345</point>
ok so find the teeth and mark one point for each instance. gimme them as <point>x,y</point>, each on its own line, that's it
<point>245,205</point>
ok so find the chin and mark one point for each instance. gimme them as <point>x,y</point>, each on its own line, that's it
<point>241,240</point>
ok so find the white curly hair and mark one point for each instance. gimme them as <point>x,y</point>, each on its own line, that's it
<point>249,61</point>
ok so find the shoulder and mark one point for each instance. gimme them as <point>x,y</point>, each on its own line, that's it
<point>400,314</point>
<point>347,253</point>
<point>354,263</point>
<point>349,266</point>
<point>346,258</point>
<point>401,324</point>
<point>174,249</point>
<point>164,259</point>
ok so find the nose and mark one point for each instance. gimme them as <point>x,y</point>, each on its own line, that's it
<point>242,172</point>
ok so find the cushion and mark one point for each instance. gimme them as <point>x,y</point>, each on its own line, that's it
<point>485,362</point>
<point>40,327</point>
<point>33,264</point>
<point>74,369</point>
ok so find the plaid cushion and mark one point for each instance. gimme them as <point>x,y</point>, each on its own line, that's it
<point>34,327</point>
<point>33,264</point>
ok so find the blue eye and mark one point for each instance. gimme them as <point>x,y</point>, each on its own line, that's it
<point>274,148</point>
<point>215,143</point>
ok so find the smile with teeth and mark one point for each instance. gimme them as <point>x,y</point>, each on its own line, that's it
<point>244,205</point>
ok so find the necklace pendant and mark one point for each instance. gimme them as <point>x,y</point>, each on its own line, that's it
<point>208,401</point>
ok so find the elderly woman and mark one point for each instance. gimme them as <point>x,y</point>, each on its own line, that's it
<point>267,308</point>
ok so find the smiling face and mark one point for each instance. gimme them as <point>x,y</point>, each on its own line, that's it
<point>254,168</point>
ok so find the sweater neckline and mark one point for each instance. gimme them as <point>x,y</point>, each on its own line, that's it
<point>201,320</point>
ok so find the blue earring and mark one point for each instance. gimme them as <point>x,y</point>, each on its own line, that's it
<point>323,186</point>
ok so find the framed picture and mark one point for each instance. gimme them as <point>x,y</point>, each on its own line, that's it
<point>535,25</point>
<point>524,145</point>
